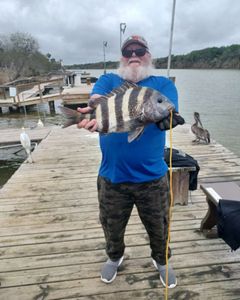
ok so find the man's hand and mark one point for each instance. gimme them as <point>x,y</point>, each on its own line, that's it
<point>176,120</point>
<point>86,124</point>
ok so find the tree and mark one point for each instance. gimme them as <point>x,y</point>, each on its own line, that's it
<point>48,55</point>
<point>17,48</point>
<point>20,56</point>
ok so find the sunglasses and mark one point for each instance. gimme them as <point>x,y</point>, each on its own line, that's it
<point>138,52</point>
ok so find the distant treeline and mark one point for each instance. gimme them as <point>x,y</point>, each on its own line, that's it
<point>97,65</point>
<point>210,58</point>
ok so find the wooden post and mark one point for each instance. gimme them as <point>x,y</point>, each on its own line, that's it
<point>17,98</point>
<point>51,107</point>
<point>4,94</point>
<point>180,187</point>
<point>180,181</point>
<point>40,93</point>
<point>22,109</point>
<point>60,87</point>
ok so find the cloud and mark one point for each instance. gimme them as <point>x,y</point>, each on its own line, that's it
<point>75,30</point>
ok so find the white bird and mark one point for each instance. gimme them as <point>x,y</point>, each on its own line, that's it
<point>40,124</point>
<point>26,143</point>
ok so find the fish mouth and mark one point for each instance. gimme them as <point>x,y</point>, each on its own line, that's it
<point>165,113</point>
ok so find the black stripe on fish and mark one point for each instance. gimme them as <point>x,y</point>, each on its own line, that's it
<point>147,94</point>
<point>118,111</point>
<point>133,101</point>
<point>105,115</point>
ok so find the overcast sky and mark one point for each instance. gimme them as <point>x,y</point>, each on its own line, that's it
<point>74,30</point>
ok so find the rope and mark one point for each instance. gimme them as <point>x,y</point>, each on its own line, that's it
<point>170,206</point>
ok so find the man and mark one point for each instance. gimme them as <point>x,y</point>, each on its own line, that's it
<point>134,173</point>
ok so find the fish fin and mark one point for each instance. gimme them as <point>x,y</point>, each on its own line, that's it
<point>122,88</point>
<point>68,112</point>
<point>134,134</point>
<point>93,103</point>
<point>129,84</point>
<point>67,123</point>
<point>72,116</point>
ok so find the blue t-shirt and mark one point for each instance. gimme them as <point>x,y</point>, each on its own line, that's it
<point>143,159</point>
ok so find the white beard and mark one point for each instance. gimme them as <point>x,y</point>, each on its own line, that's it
<point>135,73</point>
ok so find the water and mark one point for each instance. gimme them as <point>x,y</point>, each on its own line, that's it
<point>215,94</point>
<point>10,160</point>
<point>7,169</point>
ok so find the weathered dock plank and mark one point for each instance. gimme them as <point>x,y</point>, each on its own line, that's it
<point>52,245</point>
<point>12,136</point>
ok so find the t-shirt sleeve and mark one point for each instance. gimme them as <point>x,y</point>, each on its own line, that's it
<point>103,85</point>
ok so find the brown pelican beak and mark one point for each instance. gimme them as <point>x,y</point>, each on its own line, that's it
<point>197,118</point>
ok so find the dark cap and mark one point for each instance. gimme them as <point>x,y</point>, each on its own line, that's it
<point>135,39</point>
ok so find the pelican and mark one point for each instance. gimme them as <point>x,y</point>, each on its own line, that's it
<point>199,131</point>
<point>26,143</point>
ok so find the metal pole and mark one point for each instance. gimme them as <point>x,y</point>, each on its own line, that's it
<point>120,36</point>
<point>104,56</point>
<point>171,38</point>
<point>122,30</point>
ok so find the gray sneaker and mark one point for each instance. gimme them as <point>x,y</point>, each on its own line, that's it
<point>172,280</point>
<point>109,270</point>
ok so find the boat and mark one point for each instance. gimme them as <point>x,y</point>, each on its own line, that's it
<point>87,78</point>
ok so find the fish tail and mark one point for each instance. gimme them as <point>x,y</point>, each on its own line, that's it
<point>71,116</point>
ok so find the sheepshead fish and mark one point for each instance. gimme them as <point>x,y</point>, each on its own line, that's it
<point>128,108</point>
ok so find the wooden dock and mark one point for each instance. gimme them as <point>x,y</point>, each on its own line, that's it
<point>52,245</point>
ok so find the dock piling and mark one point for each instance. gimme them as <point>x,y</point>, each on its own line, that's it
<point>52,107</point>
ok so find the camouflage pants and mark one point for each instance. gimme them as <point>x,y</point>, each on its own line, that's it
<point>116,202</point>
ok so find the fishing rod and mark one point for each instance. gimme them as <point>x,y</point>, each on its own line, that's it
<point>171,38</point>
<point>170,158</point>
